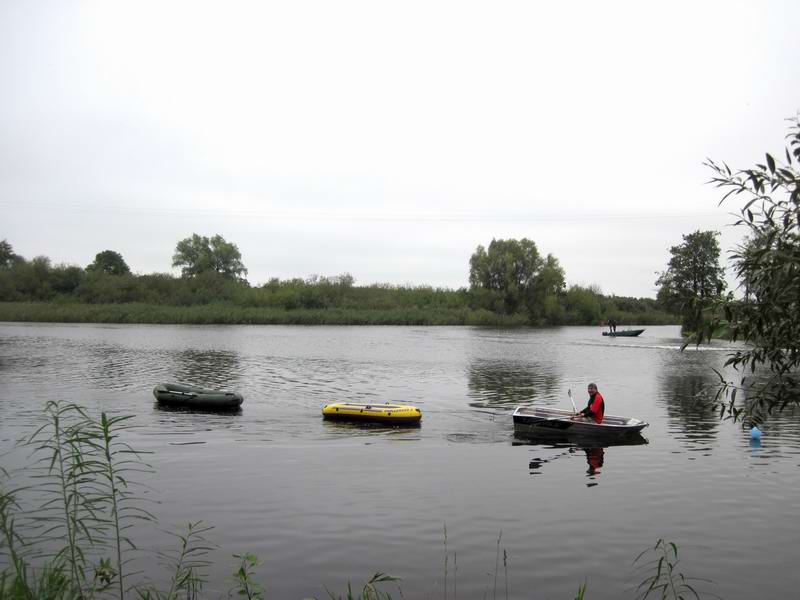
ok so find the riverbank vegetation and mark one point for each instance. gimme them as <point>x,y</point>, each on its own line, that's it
<point>766,315</point>
<point>298,306</point>
<point>67,530</point>
<point>511,285</point>
<point>581,307</point>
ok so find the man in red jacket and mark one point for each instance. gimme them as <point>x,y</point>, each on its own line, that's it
<point>596,407</point>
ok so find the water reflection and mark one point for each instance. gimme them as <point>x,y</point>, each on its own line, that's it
<point>173,408</point>
<point>215,369</point>
<point>350,426</point>
<point>779,423</point>
<point>594,458</point>
<point>400,431</point>
<point>111,365</point>
<point>688,404</point>
<point>593,450</point>
<point>171,421</point>
<point>505,384</point>
<point>524,438</point>
<point>688,384</point>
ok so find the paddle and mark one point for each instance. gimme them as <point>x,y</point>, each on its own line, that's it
<point>560,419</point>
<point>569,393</point>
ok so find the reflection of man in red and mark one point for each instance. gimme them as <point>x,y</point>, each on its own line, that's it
<point>596,407</point>
<point>594,458</point>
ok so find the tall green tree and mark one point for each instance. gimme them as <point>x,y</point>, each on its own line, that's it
<point>199,254</point>
<point>514,276</point>
<point>32,278</point>
<point>543,296</point>
<point>109,262</point>
<point>693,278</point>
<point>7,256</point>
<point>65,279</point>
<point>583,305</point>
<point>767,314</point>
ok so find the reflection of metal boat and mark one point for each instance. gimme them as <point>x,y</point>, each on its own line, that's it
<point>555,439</point>
<point>402,414</point>
<point>624,333</point>
<point>549,421</point>
<point>188,396</point>
<point>593,448</point>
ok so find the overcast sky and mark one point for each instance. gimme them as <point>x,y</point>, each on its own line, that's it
<point>387,140</point>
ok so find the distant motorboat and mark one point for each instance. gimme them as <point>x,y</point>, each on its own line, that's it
<point>623,333</point>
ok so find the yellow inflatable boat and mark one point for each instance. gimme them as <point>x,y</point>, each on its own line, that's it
<point>375,413</point>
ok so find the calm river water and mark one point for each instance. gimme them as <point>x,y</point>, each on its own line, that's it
<point>322,504</point>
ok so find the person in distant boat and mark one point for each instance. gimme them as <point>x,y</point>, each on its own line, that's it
<point>612,325</point>
<point>596,407</point>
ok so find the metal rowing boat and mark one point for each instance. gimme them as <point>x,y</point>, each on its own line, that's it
<point>554,421</point>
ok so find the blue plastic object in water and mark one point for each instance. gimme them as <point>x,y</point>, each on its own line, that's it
<point>755,433</point>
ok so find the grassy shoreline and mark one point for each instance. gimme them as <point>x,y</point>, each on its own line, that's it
<point>231,314</point>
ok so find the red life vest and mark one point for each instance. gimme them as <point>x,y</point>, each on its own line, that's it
<point>597,407</point>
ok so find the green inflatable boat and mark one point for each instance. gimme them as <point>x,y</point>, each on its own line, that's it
<point>174,394</point>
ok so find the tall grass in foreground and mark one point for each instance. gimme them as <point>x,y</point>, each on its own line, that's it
<point>663,579</point>
<point>74,543</point>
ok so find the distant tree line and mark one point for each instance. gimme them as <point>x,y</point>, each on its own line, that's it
<point>509,279</point>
